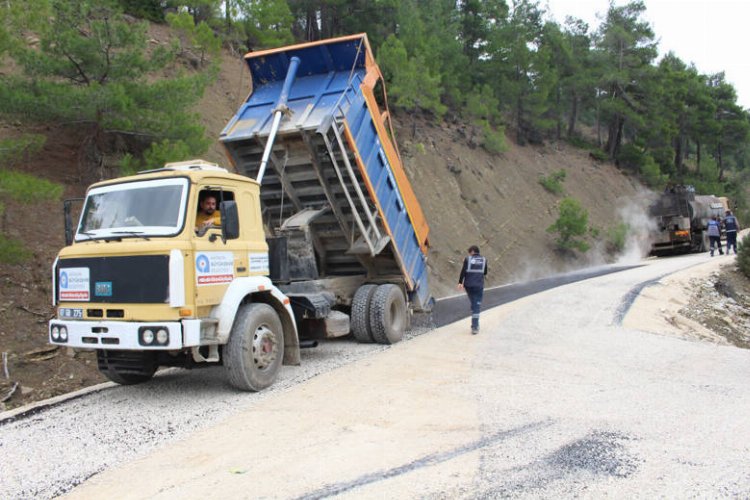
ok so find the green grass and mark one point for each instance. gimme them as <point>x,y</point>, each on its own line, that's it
<point>26,188</point>
<point>13,251</point>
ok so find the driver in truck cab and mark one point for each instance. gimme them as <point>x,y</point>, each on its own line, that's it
<point>208,215</point>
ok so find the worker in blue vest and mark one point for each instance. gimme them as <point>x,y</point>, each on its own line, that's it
<point>472,280</point>
<point>731,226</point>
<point>714,234</point>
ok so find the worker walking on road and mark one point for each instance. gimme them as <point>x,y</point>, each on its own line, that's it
<point>472,280</point>
<point>731,227</point>
<point>714,235</point>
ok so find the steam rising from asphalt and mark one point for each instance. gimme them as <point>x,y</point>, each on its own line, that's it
<point>634,213</point>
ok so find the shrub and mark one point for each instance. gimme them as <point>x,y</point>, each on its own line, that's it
<point>12,251</point>
<point>494,138</point>
<point>743,255</point>
<point>553,182</point>
<point>617,236</point>
<point>570,226</point>
<point>599,155</point>
<point>14,150</point>
<point>651,173</point>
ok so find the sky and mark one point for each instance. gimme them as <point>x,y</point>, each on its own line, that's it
<point>712,34</point>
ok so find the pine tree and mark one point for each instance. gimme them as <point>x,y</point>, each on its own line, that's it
<point>90,71</point>
<point>625,48</point>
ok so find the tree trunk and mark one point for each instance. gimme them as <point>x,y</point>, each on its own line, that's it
<point>228,15</point>
<point>558,98</point>
<point>573,116</point>
<point>697,157</point>
<point>598,122</point>
<point>614,136</point>
<point>720,162</point>
<point>678,163</point>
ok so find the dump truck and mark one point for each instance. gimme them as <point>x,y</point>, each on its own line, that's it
<point>320,234</point>
<point>681,218</point>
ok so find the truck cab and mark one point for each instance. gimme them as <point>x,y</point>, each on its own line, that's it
<point>146,288</point>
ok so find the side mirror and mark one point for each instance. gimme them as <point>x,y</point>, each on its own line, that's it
<point>67,206</point>
<point>230,220</point>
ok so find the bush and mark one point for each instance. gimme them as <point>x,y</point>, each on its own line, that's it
<point>651,173</point>
<point>553,182</point>
<point>743,255</point>
<point>27,188</point>
<point>570,226</point>
<point>12,251</point>
<point>14,150</point>
<point>158,154</point>
<point>599,155</point>
<point>617,236</point>
<point>494,139</point>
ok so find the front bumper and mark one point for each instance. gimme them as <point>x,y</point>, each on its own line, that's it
<point>125,335</point>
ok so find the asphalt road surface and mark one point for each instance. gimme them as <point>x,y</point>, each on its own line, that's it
<point>553,398</point>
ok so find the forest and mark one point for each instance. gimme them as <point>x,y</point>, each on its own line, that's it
<point>505,66</point>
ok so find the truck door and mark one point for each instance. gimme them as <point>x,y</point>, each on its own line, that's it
<point>217,262</point>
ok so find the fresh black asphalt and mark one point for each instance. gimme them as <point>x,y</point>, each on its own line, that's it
<point>451,309</point>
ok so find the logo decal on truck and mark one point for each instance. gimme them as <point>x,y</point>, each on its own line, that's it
<point>74,284</point>
<point>214,268</point>
<point>259,263</point>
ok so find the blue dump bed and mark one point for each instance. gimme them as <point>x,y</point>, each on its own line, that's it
<point>333,173</point>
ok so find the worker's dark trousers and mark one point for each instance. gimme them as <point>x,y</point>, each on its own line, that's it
<point>717,241</point>
<point>732,241</point>
<point>475,298</point>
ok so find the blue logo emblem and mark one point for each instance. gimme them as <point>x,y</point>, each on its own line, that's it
<point>63,280</point>
<point>103,288</point>
<point>201,263</point>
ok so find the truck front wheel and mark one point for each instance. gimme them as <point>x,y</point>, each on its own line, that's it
<point>253,355</point>
<point>388,314</point>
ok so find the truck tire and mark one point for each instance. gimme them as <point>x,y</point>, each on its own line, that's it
<point>253,355</point>
<point>127,367</point>
<point>388,314</point>
<point>361,313</point>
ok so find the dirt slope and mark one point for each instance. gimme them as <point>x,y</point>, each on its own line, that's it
<point>468,197</point>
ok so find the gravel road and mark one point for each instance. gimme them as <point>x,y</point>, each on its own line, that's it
<point>553,398</point>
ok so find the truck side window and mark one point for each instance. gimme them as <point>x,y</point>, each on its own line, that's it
<point>207,214</point>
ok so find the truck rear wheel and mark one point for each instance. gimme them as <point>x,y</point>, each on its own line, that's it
<point>127,367</point>
<point>361,313</point>
<point>388,314</point>
<point>253,355</point>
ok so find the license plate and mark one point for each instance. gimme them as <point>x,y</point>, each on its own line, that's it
<point>70,313</point>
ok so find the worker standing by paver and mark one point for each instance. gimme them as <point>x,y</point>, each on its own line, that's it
<point>714,234</point>
<point>471,280</point>
<point>731,227</point>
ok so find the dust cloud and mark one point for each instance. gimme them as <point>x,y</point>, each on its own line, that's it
<point>631,211</point>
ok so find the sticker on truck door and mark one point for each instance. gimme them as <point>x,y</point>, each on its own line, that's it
<point>214,268</point>
<point>74,284</point>
<point>259,263</point>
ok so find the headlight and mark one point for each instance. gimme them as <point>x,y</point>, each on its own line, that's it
<point>55,332</point>
<point>162,336</point>
<point>148,337</point>
<point>63,334</point>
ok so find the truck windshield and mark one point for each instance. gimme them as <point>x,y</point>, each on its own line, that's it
<point>147,208</point>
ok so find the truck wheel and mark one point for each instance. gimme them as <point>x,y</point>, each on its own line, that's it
<point>388,314</point>
<point>127,367</point>
<point>361,313</point>
<point>253,355</point>
<point>705,245</point>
